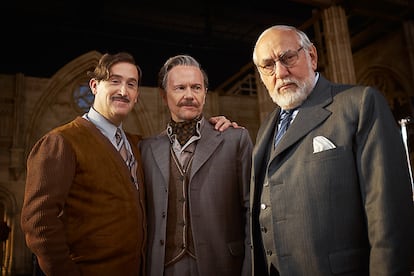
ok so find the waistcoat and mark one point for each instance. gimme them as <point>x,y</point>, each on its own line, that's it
<point>179,240</point>
<point>265,220</point>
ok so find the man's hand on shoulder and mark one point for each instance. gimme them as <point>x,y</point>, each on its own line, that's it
<point>221,123</point>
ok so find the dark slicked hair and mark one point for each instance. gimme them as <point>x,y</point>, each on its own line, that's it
<point>101,71</point>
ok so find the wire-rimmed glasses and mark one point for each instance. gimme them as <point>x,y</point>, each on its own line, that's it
<point>287,59</point>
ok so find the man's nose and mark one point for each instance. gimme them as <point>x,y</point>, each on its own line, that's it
<point>188,93</point>
<point>281,70</point>
<point>123,89</point>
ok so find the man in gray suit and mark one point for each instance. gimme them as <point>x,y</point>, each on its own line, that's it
<point>333,195</point>
<point>197,182</point>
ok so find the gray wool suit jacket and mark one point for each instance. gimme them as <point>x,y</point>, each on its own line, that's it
<point>218,200</point>
<point>346,210</point>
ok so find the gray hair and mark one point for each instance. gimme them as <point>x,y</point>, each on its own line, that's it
<point>302,37</point>
<point>184,60</point>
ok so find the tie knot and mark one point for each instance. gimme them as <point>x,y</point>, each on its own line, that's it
<point>286,114</point>
<point>284,121</point>
<point>118,136</point>
<point>288,111</point>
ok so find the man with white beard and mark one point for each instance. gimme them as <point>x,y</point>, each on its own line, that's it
<point>330,189</point>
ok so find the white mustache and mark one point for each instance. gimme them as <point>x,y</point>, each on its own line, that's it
<point>286,82</point>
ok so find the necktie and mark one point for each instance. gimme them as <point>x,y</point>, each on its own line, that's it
<point>127,156</point>
<point>285,119</point>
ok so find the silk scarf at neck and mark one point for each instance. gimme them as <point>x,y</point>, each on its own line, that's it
<point>184,130</point>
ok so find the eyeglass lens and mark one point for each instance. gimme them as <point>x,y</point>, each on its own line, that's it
<point>287,59</point>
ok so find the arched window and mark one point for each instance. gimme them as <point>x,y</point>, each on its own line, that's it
<point>83,97</point>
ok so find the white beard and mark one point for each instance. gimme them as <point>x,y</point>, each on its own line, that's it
<point>293,97</point>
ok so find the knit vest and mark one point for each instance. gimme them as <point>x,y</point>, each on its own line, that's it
<point>107,192</point>
<point>179,240</point>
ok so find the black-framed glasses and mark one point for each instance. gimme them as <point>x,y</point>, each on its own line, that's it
<point>287,59</point>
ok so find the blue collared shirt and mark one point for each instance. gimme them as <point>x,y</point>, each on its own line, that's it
<point>106,128</point>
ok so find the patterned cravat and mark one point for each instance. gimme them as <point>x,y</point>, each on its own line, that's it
<point>184,130</point>
<point>285,119</point>
<point>127,156</point>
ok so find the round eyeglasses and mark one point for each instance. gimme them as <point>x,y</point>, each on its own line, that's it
<point>287,59</point>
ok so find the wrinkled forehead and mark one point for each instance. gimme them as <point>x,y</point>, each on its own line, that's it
<point>276,42</point>
<point>181,74</point>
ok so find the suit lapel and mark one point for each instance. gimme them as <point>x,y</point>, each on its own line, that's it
<point>264,139</point>
<point>161,149</point>
<point>206,146</point>
<point>306,120</point>
<point>311,114</point>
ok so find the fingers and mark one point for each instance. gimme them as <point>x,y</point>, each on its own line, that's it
<point>236,125</point>
<point>221,123</point>
<point>224,124</point>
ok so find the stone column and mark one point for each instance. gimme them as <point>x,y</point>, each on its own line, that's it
<point>340,64</point>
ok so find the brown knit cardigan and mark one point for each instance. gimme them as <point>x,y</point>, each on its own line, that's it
<point>81,213</point>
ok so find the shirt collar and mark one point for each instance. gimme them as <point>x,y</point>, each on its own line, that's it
<point>173,141</point>
<point>107,128</point>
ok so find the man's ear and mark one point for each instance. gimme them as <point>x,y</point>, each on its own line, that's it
<point>163,95</point>
<point>314,57</point>
<point>92,85</point>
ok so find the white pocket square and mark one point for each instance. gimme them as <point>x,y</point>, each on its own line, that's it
<point>321,143</point>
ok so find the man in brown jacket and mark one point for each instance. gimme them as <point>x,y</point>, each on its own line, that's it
<point>82,213</point>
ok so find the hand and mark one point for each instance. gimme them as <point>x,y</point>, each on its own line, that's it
<point>221,123</point>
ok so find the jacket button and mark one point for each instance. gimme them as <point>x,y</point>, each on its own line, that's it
<point>269,252</point>
<point>263,206</point>
<point>263,229</point>
<point>162,242</point>
<point>163,214</point>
